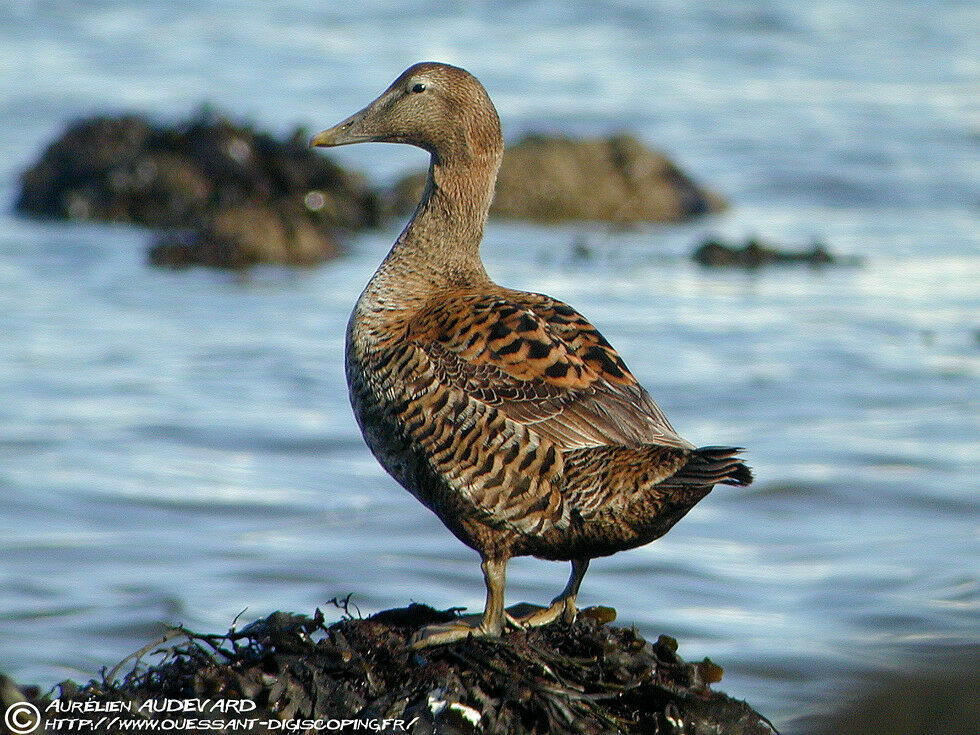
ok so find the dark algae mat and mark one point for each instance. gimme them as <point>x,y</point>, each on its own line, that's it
<point>292,673</point>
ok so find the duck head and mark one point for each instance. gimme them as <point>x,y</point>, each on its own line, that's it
<point>438,107</point>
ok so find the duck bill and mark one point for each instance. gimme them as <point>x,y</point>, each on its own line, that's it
<point>343,133</point>
<point>361,127</point>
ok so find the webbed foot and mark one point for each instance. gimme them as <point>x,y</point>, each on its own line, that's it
<point>562,607</point>
<point>455,630</point>
<point>490,624</point>
<point>532,616</point>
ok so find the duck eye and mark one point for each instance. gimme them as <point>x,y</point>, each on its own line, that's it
<point>418,87</point>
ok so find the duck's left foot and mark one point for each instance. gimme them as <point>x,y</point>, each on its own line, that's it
<point>533,616</point>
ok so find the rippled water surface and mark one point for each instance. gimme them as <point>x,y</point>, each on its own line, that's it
<point>178,447</point>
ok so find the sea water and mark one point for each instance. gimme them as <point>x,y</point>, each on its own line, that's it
<point>178,447</point>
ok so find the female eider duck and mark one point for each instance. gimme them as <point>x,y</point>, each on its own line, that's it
<point>505,413</point>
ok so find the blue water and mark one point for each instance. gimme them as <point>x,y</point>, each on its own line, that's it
<point>177,447</point>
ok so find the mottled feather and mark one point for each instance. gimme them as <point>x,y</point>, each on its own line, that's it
<point>481,462</point>
<point>543,365</point>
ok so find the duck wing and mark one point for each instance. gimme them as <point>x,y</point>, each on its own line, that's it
<point>543,365</point>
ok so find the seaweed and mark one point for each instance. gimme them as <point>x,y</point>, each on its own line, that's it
<point>300,675</point>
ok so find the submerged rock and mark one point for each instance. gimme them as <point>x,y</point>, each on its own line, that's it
<point>238,196</point>
<point>583,678</point>
<point>615,179</point>
<point>243,235</point>
<point>714,253</point>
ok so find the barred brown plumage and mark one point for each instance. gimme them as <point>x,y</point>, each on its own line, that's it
<point>504,412</point>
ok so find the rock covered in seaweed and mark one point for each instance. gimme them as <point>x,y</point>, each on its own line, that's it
<point>714,253</point>
<point>584,678</point>
<point>243,235</point>
<point>615,179</point>
<point>236,195</point>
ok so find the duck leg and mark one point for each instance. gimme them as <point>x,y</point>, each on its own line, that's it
<point>492,622</point>
<point>563,606</point>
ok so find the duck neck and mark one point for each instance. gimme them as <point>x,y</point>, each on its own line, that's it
<point>440,246</point>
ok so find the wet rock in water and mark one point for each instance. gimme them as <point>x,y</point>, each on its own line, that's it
<point>615,179</point>
<point>582,678</point>
<point>243,235</point>
<point>244,196</point>
<point>713,253</point>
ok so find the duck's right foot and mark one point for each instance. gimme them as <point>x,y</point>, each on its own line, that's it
<point>455,630</point>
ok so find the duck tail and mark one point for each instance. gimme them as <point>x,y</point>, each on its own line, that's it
<point>714,465</point>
